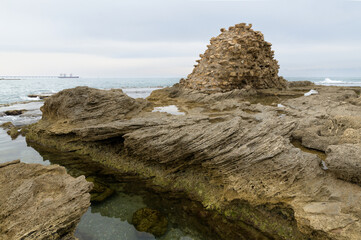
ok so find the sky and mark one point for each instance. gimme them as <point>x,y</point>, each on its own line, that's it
<point>163,38</point>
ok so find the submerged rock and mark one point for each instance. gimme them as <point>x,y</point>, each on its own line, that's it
<point>12,130</point>
<point>40,202</point>
<point>238,58</point>
<point>40,96</point>
<point>151,221</point>
<point>15,112</point>
<point>99,192</point>
<point>7,125</point>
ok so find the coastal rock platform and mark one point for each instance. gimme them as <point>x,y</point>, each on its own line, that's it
<point>234,152</point>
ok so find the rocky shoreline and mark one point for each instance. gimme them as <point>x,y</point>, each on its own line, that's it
<point>267,158</point>
<point>230,153</point>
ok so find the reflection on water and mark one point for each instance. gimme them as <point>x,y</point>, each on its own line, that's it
<point>110,219</point>
<point>18,149</point>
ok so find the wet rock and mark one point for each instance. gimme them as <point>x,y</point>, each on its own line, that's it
<point>7,125</point>
<point>40,96</point>
<point>99,192</point>
<point>237,58</point>
<point>151,221</point>
<point>15,112</point>
<point>40,202</point>
<point>12,131</point>
<point>24,130</point>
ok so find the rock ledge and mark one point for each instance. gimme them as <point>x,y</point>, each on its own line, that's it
<point>40,202</point>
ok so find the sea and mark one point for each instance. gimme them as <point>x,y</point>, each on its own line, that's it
<point>108,220</point>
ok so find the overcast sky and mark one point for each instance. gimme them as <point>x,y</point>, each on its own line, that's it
<point>164,37</point>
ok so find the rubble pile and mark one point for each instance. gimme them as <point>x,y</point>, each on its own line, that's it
<point>238,58</point>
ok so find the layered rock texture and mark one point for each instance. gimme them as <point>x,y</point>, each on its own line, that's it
<point>238,58</point>
<point>40,202</point>
<point>228,151</point>
<point>275,164</point>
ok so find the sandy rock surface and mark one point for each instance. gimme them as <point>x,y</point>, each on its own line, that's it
<point>40,202</point>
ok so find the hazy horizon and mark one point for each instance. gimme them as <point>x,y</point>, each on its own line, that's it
<point>164,38</point>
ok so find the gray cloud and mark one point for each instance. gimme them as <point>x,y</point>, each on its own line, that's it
<point>304,33</point>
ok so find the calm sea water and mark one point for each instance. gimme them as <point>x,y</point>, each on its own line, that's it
<point>17,90</point>
<point>14,93</point>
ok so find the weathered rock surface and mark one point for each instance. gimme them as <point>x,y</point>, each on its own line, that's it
<point>234,150</point>
<point>14,131</point>
<point>238,58</point>
<point>228,152</point>
<point>87,106</point>
<point>40,202</point>
<point>345,161</point>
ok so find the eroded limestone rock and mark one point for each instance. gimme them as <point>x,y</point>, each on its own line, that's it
<point>345,161</point>
<point>40,202</point>
<point>227,153</point>
<point>238,58</point>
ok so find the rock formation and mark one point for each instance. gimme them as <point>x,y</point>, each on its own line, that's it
<point>238,58</point>
<point>15,112</point>
<point>227,152</point>
<point>234,151</point>
<point>40,202</point>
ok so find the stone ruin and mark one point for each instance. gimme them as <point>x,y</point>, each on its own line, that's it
<point>238,58</point>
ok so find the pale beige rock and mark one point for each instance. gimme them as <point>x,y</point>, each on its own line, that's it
<point>239,56</point>
<point>345,161</point>
<point>40,202</point>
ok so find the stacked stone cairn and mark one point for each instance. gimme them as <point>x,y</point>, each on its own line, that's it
<point>238,58</point>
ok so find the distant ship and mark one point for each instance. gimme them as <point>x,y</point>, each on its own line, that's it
<point>63,75</point>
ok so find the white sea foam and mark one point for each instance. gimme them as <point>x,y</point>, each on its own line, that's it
<point>330,81</point>
<point>26,98</point>
<point>172,109</point>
